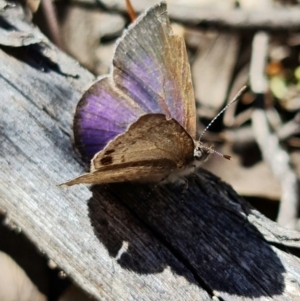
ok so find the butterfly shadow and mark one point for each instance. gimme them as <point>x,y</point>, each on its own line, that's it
<point>202,233</point>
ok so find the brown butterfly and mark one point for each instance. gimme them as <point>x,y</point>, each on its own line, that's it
<point>139,123</point>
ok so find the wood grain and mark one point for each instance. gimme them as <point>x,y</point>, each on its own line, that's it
<point>125,241</point>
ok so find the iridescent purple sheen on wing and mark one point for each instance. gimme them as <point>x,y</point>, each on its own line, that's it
<point>101,115</point>
<point>143,83</point>
<point>151,66</point>
<point>95,140</point>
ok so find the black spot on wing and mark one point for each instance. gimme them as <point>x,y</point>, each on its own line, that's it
<point>108,152</point>
<point>106,160</point>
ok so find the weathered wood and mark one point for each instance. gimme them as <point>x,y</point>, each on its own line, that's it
<point>125,241</point>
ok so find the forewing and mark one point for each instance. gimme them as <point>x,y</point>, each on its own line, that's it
<point>149,150</point>
<point>151,66</point>
<point>150,74</point>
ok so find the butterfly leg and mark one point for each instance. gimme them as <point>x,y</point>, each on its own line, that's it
<point>193,174</point>
<point>185,182</point>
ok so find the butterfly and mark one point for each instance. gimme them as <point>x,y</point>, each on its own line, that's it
<point>139,122</point>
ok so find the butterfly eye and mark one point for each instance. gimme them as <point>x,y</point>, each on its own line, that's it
<point>198,154</point>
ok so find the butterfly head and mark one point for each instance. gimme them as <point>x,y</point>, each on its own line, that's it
<point>202,151</point>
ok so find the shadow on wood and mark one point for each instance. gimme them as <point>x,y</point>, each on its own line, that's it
<point>206,229</point>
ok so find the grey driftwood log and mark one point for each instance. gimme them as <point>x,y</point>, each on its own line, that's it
<point>123,241</point>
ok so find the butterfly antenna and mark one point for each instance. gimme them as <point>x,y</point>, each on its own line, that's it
<point>211,150</point>
<point>237,97</point>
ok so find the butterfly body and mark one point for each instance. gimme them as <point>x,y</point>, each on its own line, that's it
<point>139,123</point>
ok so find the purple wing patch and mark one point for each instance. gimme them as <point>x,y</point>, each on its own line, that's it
<point>150,74</point>
<point>101,115</point>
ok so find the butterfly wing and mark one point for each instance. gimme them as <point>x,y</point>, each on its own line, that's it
<point>150,74</point>
<point>151,67</point>
<point>149,150</point>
